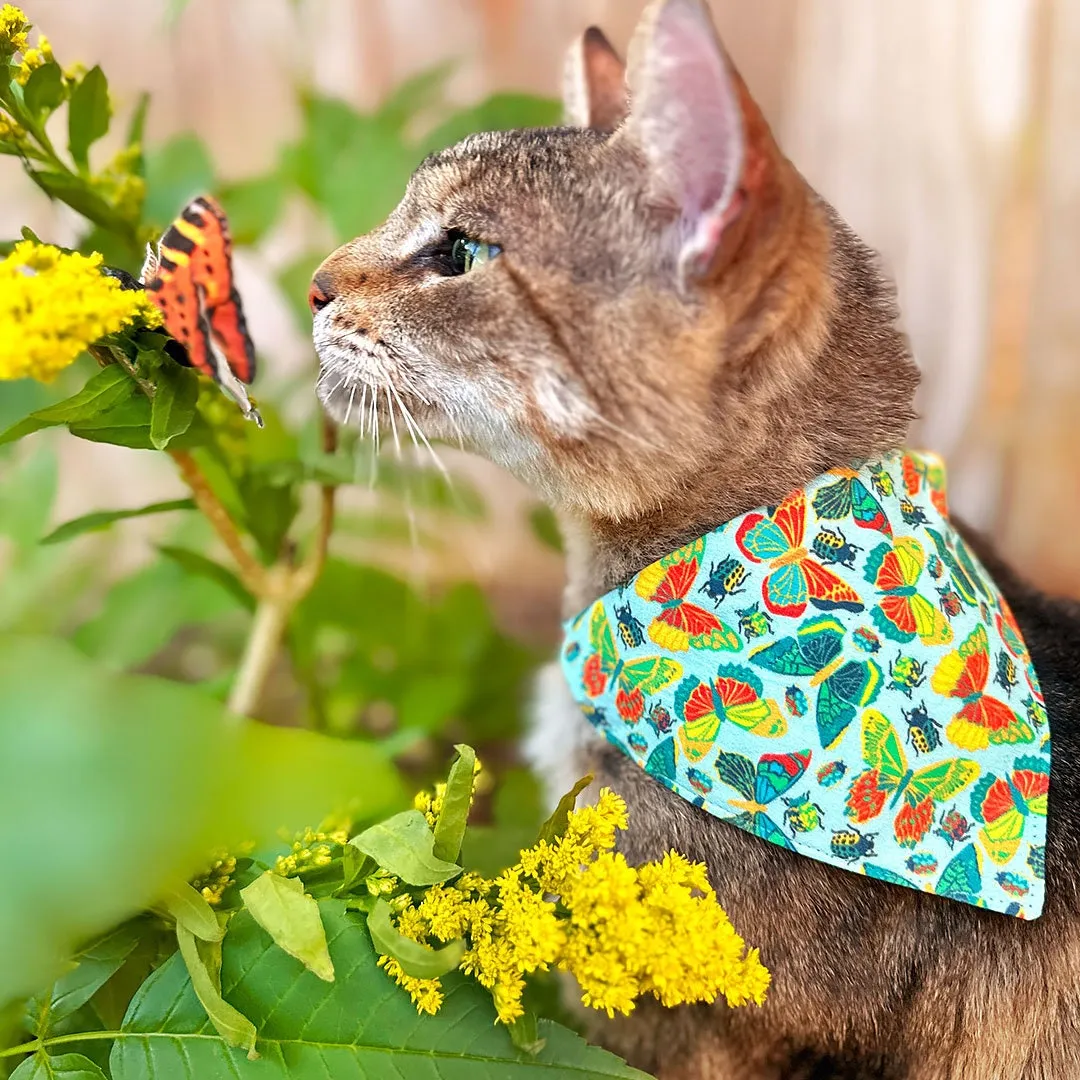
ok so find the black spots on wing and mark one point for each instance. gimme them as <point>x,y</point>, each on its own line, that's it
<point>175,240</point>
<point>167,265</point>
<point>154,285</point>
<point>192,215</point>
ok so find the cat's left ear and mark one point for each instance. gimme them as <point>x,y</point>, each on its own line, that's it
<point>594,83</point>
<point>705,140</point>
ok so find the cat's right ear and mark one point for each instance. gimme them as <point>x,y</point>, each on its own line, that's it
<point>594,83</point>
<point>705,141</point>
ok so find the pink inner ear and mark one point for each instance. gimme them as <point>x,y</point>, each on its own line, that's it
<point>689,120</point>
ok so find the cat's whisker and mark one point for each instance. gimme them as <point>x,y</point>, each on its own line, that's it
<point>349,407</point>
<point>424,439</point>
<point>363,410</point>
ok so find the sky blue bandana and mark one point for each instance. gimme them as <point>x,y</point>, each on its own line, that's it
<point>840,676</point>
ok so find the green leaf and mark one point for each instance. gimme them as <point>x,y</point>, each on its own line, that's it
<point>173,407</point>
<point>107,388</point>
<point>404,845</point>
<point>137,128</point>
<point>291,917</point>
<point>95,965</point>
<point>44,90</point>
<point>414,95</point>
<point>176,172</point>
<point>419,961</point>
<point>125,424</point>
<point>525,1033</point>
<point>113,787</point>
<point>555,826</point>
<point>89,112</point>
<point>253,206</point>
<point>457,799</point>
<point>192,562</point>
<point>76,193</point>
<point>360,1025</point>
<point>62,1067</point>
<point>191,912</point>
<point>203,962</point>
<point>102,519</point>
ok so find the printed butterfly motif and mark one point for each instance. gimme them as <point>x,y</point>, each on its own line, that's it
<point>635,680</point>
<point>816,651</point>
<point>903,613</point>
<point>850,497</point>
<point>965,575</point>
<point>734,695</point>
<point>1009,632</point>
<point>681,625</point>
<point>190,279</point>
<point>888,775</point>
<point>795,578</point>
<point>981,719</point>
<point>962,877</point>
<point>928,468</point>
<point>1003,805</point>
<point>759,785</point>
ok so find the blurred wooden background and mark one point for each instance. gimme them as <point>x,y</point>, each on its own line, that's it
<point>946,131</point>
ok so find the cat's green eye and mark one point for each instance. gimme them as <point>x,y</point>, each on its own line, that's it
<point>466,254</point>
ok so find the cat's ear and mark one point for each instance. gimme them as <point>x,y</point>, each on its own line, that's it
<point>696,124</point>
<point>594,83</point>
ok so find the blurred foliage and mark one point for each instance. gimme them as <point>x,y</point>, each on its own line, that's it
<point>120,764</point>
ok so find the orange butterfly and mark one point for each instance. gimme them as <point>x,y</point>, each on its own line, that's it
<point>681,625</point>
<point>190,278</point>
<point>795,578</point>
<point>982,719</point>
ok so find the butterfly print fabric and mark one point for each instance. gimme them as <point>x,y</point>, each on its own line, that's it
<point>837,675</point>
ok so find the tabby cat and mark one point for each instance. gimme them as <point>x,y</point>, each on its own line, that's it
<point>649,316</point>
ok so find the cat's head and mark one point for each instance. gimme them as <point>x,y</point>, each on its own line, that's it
<point>603,308</point>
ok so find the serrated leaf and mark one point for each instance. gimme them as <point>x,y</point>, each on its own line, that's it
<point>361,1025</point>
<point>192,913</point>
<point>173,407</point>
<point>419,961</point>
<point>457,799</point>
<point>555,825</point>
<point>88,114</point>
<point>103,391</point>
<point>102,519</point>
<point>61,1067</point>
<point>203,962</point>
<point>44,90</point>
<point>525,1033</point>
<point>95,965</point>
<point>403,845</point>
<point>192,562</point>
<point>125,424</point>
<point>282,908</point>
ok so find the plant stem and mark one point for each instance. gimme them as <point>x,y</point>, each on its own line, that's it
<point>263,643</point>
<point>252,573</point>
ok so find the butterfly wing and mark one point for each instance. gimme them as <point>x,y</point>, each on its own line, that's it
<point>866,510</point>
<point>852,687</point>
<point>826,590</point>
<point>962,581</point>
<point>926,788</point>
<point>886,766</point>
<point>739,693</point>
<point>767,829</point>
<point>602,639</point>
<point>666,581</point>
<point>786,657</point>
<point>737,771</point>
<point>833,502</point>
<point>985,720</point>
<point>962,877</point>
<point>1003,806</point>
<point>786,590</point>
<point>696,704</point>
<point>777,774</point>
<point>685,625</point>
<point>650,675</point>
<point>761,539</point>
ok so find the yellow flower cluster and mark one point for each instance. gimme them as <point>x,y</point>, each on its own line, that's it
<point>576,905</point>
<point>32,59</point>
<point>217,877</point>
<point>310,849</point>
<point>13,27</point>
<point>52,305</point>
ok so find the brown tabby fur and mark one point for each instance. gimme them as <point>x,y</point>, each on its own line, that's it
<point>648,408</point>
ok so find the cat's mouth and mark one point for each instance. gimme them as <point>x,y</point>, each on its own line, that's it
<point>363,383</point>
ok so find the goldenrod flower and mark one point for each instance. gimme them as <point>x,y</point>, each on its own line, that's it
<point>310,849</point>
<point>11,132</point>
<point>52,305</point>
<point>13,27</point>
<point>575,904</point>
<point>426,993</point>
<point>32,59</point>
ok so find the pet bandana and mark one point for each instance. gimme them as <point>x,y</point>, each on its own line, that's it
<point>839,676</point>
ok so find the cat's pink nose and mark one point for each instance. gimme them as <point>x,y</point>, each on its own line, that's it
<point>319,295</point>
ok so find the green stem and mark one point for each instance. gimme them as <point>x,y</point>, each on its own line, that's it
<point>55,1040</point>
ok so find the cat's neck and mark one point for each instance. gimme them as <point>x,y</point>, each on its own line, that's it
<point>847,397</point>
